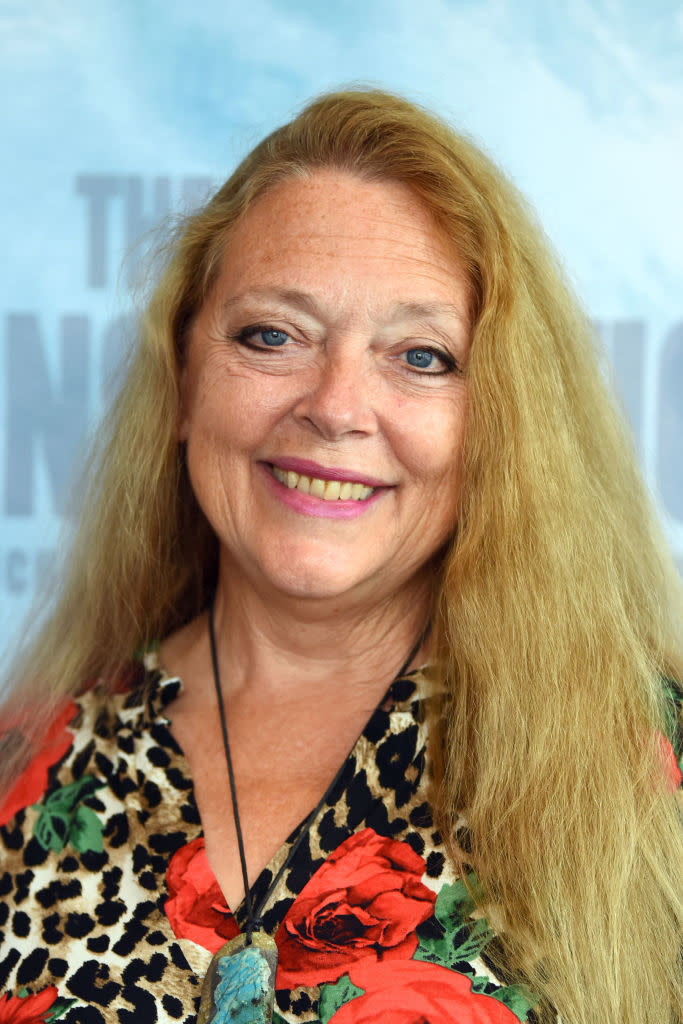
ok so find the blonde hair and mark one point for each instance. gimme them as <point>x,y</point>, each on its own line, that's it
<point>557,610</point>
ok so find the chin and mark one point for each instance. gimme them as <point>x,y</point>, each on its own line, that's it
<point>316,586</point>
<point>316,577</point>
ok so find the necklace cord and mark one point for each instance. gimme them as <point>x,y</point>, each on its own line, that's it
<point>231,776</point>
<point>253,920</point>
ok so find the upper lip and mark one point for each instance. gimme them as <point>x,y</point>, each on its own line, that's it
<point>305,467</point>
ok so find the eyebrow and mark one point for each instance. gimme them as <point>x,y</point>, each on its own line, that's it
<point>426,310</point>
<point>302,300</point>
<point>290,296</point>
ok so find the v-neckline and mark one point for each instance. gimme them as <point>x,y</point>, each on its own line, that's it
<point>163,688</point>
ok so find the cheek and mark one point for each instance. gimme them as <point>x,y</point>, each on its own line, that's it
<point>220,410</point>
<point>431,442</point>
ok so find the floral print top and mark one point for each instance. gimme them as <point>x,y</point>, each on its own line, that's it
<point>109,910</point>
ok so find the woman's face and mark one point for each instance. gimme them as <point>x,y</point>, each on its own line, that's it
<point>323,400</point>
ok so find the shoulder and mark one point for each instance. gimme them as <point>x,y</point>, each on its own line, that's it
<point>51,748</point>
<point>54,744</point>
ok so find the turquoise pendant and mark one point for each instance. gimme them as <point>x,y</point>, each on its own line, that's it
<point>239,987</point>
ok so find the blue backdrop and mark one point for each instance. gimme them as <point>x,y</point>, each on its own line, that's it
<point>117,113</point>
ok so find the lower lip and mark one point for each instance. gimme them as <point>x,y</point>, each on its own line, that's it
<point>309,505</point>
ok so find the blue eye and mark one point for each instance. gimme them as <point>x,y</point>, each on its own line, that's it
<point>420,358</point>
<point>431,361</point>
<point>271,337</point>
<point>260,338</point>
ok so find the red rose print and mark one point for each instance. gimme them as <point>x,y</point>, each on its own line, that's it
<point>667,754</point>
<point>29,1010</point>
<point>412,992</point>
<point>196,907</point>
<point>32,783</point>
<point>364,903</point>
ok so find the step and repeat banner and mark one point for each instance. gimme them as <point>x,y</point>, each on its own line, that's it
<point>119,115</point>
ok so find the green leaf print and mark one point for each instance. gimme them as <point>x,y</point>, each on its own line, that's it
<point>459,937</point>
<point>58,1009</point>
<point>472,945</point>
<point>86,831</point>
<point>334,996</point>
<point>673,708</point>
<point>517,998</point>
<point>455,902</point>
<point>64,819</point>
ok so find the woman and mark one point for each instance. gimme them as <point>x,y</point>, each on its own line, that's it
<point>364,482</point>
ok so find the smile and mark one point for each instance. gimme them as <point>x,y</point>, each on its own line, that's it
<point>328,490</point>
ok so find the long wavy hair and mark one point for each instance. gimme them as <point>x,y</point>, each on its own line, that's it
<point>557,609</point>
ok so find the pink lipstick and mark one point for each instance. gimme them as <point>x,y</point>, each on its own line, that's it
<point>305,467</point>
<point>310,504</point>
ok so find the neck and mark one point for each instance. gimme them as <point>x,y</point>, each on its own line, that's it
<point>273,645</point>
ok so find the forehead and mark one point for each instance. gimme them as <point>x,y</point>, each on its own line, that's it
<point>336,225</point>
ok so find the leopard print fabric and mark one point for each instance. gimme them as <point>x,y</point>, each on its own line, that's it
<point>109,911</point>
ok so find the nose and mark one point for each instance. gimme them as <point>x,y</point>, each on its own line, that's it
<point>339,398</point>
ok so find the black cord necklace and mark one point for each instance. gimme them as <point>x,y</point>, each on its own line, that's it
<point>242,973</point>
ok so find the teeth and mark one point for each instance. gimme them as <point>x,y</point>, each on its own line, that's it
<point>329,490</point>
